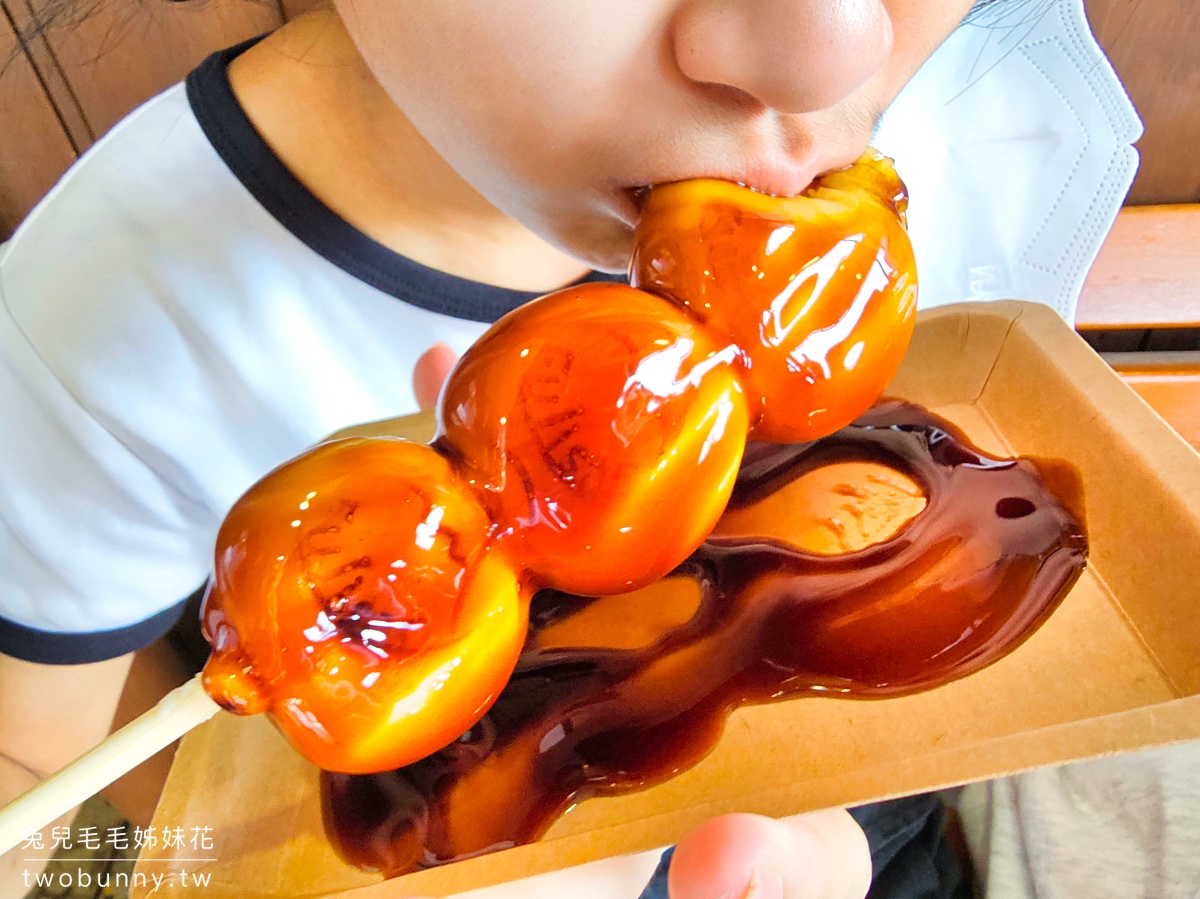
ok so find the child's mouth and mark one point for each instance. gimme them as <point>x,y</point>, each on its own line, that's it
<point>638,195</point>
<point>771,181</point>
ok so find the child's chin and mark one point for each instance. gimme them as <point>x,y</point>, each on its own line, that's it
<point>604,243</point>
<point>613,260</point>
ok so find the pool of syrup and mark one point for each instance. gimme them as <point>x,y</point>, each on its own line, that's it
<point>615,694</point>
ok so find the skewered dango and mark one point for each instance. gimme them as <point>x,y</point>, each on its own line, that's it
<point>372,594</point>
<point>889,558</point>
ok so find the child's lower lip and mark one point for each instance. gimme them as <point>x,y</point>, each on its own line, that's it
<point>775,186</point>
<point>632,199</point>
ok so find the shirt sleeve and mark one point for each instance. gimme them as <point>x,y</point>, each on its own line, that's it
<point>97,549</point>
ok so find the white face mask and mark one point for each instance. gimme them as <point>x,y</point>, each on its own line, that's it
<point>1015,142</point>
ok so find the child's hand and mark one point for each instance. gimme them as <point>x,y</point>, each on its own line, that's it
<point>822,855</point>
<point>430,373</point>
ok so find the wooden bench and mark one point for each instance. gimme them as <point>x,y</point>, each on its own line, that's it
<point>1170,382</point>
<point>1144,293</point>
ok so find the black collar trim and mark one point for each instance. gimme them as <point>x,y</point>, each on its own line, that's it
<point>320,228</point>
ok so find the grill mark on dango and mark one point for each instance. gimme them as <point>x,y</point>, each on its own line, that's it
<point>396,643</point>
<point>306,549</point>
<point>549,448</point>
<point>353,565</point>
<point>557,418</point>
<point>337,601</point>
<point>544,389</point>
<point>629,345</point>
<point>557,427</point>
<point>514,463</point>
<point>350,613</point>
<point>772,621</point>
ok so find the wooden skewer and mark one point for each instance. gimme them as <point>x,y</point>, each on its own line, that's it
<point>175,714</point>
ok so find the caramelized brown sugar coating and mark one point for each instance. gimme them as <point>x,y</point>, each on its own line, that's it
<point>587,420</point>
<point>384,617</point>
<point>818,292</point>
<point>372,594</point>
<point>599,706</point>
<point>832,509</point>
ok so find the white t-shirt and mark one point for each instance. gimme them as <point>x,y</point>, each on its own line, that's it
<point>180,315</point>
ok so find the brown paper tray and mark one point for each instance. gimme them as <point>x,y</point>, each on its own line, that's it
<point>1117,667</point>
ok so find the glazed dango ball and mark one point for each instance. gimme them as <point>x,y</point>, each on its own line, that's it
<point>604,427</point>
<point>819,290</point>
<point>372,594</point>
<point>358,599</point>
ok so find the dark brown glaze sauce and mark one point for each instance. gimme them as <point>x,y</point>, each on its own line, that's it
<point>964,582</point>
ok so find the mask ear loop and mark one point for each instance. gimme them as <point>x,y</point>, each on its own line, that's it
<point>1054,38</point>
<point>1050,232</point>
<point>1083,211</point>
<point>1124,128</point>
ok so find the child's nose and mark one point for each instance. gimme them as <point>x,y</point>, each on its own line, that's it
<point>791,55</point>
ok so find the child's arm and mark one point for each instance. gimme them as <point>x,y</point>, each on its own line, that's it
<point>49,715</point>
<point>52,714</point>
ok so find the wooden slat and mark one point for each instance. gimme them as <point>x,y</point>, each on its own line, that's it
<point>129,51</point>
<point>1170,383</point>
<point>1148,272</point>
<point>34,148</point>
<point>294,8</point>
<point>37,48</point>
<point>1155,47</point>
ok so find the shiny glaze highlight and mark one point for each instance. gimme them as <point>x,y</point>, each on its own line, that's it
<point>610,707</point>
<point>835,290</point>
<point>372,595</point>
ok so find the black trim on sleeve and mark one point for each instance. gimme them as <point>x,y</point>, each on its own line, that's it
<point>54,648</point>
<point>265,176</point>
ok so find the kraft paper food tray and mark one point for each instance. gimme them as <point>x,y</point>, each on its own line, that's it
<point>1116,667</point>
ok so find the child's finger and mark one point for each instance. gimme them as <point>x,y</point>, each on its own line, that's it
<point>430,372</point>
<point>822,855</point>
